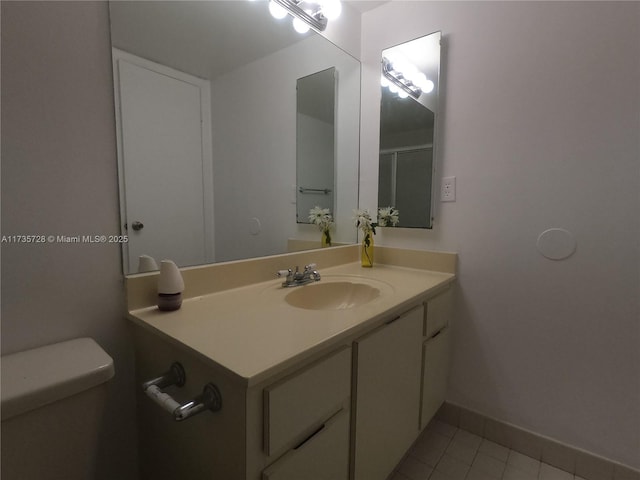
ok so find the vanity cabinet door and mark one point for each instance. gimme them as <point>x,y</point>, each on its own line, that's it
<point>387,366</point>
<point>323,456</point>
<point>436,354</point>
<point>435,372</point>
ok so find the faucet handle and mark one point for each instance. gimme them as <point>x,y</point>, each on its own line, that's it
<point>311,266</point>
<point>283,273</point>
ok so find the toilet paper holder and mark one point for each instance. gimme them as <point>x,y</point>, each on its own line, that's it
<point>209,399</point>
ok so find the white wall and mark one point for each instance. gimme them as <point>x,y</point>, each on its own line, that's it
<point>59,178</point>
<point>540,124</point>
<point>345,31</point>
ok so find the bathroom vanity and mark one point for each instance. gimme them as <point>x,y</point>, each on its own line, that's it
<point>320,390</point>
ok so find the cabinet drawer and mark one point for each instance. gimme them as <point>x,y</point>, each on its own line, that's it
<point>435,373</point>
<point>437,313</point>
<point>324,456</point>
<point>298,404</point>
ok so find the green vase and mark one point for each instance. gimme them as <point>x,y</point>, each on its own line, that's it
<point>326,238</point>
<point>366,253</point>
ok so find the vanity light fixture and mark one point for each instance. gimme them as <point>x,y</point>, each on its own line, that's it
<point>399,80</point>
<point>307,13</point>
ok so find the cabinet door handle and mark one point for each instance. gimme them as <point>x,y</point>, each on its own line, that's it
<point>442,330</point>
<point>393,320</point>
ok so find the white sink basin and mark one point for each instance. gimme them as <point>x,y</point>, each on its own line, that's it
<point>332,295</point>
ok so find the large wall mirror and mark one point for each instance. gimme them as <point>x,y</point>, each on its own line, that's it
<point>207,114</point>
<point>408,112</point>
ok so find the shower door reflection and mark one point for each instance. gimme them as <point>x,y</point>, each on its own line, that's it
<point>405,182</point>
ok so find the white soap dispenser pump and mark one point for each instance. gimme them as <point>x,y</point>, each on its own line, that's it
<point>170,286</point>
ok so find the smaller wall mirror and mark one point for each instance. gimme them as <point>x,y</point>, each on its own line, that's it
<point>315,143</point>
<point>410,74</point>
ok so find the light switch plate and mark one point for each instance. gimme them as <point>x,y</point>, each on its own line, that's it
<point>448,189</point>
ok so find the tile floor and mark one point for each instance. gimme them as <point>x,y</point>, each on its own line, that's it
<point>444,452</point>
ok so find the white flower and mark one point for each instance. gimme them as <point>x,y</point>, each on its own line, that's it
<point>388,217</point>
<point>363,221</point>
<point>321,217</point>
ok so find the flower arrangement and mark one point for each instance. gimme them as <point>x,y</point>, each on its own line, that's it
<point>387,217</point>
<point>368,227</point>
<point>324,220</point>
<point>364,221</point>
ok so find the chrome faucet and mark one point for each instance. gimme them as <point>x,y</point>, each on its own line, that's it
<point>297,278</point>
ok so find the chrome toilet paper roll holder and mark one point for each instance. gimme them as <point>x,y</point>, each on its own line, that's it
<point>210,398</point>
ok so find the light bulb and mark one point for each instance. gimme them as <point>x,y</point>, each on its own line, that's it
<point>410,72</point>
<point>276,10</point>
<point>420,79</point>
<point>383,81</point>
<point>401,66</point>
<point>299,26</point>
<point>402,94</point>
<point>331,9</point>
<point>427,86</point>
<point>393,88</point>
<point>391,58</point>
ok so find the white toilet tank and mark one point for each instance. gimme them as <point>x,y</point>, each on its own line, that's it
<point>52,403</point>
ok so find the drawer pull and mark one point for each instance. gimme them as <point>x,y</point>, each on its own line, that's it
<point>392,320</point>
<point>209,399</point>
<point>334,418</point>
<point>315,432</point>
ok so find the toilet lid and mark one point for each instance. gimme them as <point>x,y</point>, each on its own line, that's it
<point>37,377</point>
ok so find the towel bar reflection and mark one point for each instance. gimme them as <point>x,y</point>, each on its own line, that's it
<point>326,191</point>
<point>209,399</point>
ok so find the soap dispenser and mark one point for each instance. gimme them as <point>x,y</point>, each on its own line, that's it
<point>170,286</point>
<point>146,264</point>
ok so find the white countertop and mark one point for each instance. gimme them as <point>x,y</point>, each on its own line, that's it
<point>253,333</point>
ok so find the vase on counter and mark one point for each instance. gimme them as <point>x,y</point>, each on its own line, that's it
<point>366,252</point>
<point>326,238</point>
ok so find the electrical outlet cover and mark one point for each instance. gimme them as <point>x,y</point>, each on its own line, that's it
<point>448,189</point>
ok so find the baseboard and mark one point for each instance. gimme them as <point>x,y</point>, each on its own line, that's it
<point>565,457</point>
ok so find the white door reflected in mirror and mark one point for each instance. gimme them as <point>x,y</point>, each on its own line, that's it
<point>165,162</point>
